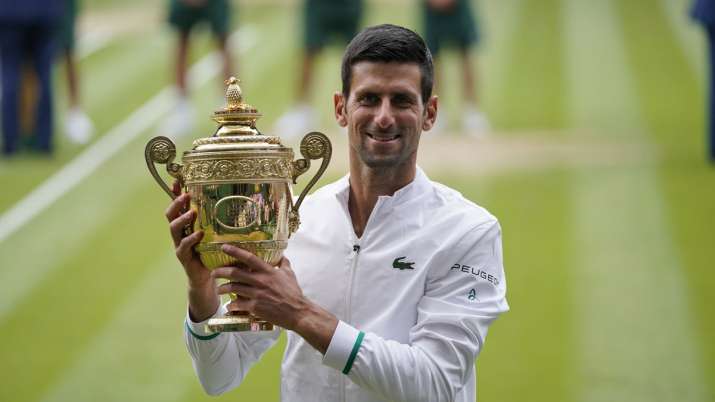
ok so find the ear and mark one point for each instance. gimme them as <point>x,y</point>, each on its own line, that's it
<point>340,112</point>
<point>430,113</point>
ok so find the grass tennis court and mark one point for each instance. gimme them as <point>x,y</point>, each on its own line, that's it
<point>596,170</point>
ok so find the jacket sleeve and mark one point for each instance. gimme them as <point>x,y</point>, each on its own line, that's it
<point>221,360</point>
<point>460,302</point>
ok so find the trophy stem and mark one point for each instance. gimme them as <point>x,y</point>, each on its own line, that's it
<point>238,321</point>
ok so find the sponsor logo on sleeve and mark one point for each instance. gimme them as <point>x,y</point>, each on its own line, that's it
<point>476,272</point>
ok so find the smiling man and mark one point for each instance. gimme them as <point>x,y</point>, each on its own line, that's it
<point>367,291</point>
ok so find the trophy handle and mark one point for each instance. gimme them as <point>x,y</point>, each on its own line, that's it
<point>314,145</point>
<point>162,150</point>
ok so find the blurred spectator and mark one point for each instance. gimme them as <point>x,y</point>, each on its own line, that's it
<point>452,22</point>
<point>27,102</point>
<point>184,15</point>
<point>27,30</point>
<point>323,20</point>
<point>704,12</point>
<point>78,126</point>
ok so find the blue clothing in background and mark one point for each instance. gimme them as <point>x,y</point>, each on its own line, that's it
<point>27,30</point>
<point>704,12</point>
<point>18,11</point>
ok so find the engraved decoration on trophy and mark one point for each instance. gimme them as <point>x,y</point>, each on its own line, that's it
<point>240,185</point>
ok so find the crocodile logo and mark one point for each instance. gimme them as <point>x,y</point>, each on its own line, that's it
<point>402,265</point>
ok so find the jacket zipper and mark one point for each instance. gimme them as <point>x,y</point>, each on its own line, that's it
<point>348,298</point>
<point>353,267</point>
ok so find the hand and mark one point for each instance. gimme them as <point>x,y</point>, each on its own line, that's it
<point>180,216</point>
<point>270,293</point>
<point>203,299</point>
<point>273,294</point>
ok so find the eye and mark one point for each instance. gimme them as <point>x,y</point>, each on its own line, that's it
<point>403,101</point>
<point>368,100</point>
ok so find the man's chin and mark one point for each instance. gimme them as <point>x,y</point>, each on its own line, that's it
<point>381,161</point>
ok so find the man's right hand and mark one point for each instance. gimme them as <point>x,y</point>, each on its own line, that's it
<point>203,296</point>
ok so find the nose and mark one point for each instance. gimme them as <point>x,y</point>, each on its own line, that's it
<point>384,118</point>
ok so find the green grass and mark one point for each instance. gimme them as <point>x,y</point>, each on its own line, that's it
<point>675,119</point>
<point>609,262</point>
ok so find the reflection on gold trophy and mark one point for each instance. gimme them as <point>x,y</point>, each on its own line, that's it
<point>240,186</point>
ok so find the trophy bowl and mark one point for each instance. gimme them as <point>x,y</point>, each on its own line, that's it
<point>240,186</point>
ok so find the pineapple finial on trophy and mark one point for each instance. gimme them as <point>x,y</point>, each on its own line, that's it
<point>234,98</point>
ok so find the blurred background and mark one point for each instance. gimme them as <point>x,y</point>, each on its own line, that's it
<point>591,150</point>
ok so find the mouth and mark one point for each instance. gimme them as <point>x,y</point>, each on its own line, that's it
<point>383,137</point>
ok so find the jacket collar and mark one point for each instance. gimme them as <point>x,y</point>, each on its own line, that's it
<point>413,189</point>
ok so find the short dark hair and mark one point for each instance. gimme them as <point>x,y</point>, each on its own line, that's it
<point>388,43</point>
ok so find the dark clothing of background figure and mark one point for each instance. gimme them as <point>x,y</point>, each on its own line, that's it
<point>27,30</point>
<point>704,12</point>
<point>454,27</point>
<point>326,20</point>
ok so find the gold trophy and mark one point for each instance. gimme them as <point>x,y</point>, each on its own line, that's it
<point>240,186</point>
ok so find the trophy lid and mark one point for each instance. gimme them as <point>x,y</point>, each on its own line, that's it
<point>237,126</point>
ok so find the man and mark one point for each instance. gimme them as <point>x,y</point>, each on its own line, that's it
<point>704,12</point>
<point>389,286</point>
<point>452,23</point>
<point>323,20</point>
<point>184,15</point>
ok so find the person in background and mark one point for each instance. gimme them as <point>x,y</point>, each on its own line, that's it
<point>704,12</point>
<point>184,15</point>
<point>27,30</point>
<point>452,22</point>
<point>27,102</point>
<point>78,126</point>
<point>323,21</point>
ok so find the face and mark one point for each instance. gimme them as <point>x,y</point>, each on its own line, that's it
<point>385,114</point>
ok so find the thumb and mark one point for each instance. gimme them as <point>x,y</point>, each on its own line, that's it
<point>285,265</point>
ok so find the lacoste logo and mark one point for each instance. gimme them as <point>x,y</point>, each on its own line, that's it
<point>402,265</point>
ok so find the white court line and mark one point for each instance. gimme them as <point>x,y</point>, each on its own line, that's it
<point>91,42</point>
<point>109,144</point>
<point>142,368</point>
<point>86,45</point>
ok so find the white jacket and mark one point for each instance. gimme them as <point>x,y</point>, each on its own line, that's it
<point>415,296</point>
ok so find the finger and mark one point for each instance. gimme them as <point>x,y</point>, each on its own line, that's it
<point>185,248</point>
<point>251,260</point>
<point>235,274</point>
<point>240,289</point>
<point>241,304</point>
<point>284,263</point>
<point>176,188</point>
<point>176,227</point>
<point>177,206</point>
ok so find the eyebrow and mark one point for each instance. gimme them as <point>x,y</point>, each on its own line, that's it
<point>407,95</point>
<point>403,94</point>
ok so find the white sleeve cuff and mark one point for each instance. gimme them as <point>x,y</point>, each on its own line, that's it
<point>199,329</point>
<point>343,348</point>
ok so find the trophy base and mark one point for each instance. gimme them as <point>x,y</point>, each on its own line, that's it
<point>238,323</point>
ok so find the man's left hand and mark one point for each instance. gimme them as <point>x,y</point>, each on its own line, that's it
<point>270,293</point>
<point>273,294</point>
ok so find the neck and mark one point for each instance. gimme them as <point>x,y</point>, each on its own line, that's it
<point>367,184</point>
